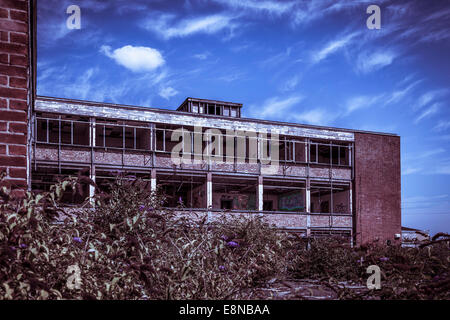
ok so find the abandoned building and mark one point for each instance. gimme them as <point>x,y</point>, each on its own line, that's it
<point>317,181</point>
<point>321,184</point>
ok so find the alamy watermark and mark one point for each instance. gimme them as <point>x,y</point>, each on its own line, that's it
<point>74,279</point>
<point>374,20</point>
<point>215,147</point>
<point>374,280</point>
<point>74,20</point>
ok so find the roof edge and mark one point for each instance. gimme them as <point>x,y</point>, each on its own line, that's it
<point>141,108</point>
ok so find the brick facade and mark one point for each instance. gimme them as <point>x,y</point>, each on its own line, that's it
<point>377,193</point>
<point>15,87</point>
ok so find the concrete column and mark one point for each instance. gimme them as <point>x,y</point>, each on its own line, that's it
<point>91,187</point>
<point>153,181</point>
<point>308,207</point>
<point>92,137</point>
<point>209,190</point>
<point>260,196</point>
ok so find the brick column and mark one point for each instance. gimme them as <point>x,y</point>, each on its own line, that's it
<point>15,86</point>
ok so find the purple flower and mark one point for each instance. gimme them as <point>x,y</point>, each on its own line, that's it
<point>77,239</point>
<point>384,259</point>
<point>13,248</point>
<point>221,268</point>
<point>180,200</point>
<point>23,245</point>
<point>232,244</point>
<point>141,207</point>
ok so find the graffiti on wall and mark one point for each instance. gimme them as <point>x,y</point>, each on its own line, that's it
<point>292,201</point>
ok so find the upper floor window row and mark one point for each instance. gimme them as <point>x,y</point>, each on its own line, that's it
<point>159,138</point>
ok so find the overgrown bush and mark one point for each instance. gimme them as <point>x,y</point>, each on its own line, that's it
<point>128,247</point>
<point>407,273</point>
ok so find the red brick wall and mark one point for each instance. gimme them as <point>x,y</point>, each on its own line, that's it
<point>377,188</point>
<point>14,89</point>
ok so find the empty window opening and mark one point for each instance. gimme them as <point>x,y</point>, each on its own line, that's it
<point>285,195</point>
<point>239,191</point>
<point>183,191</point>
<point>327,198</point>
<point>42,178</point>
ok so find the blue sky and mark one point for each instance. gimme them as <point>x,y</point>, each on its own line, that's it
<point>313,62</point>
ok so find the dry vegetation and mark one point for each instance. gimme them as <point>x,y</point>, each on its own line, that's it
<point>130,248</point>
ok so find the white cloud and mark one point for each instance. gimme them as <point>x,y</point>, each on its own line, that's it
<point>290,83</point>
<point>275,106</point>
<point>442,125</point>
<point>137,59</point>
<point>273,7</point>
<point>370,62</point>
<point>314,116</point>
<point>361,102</point>
<point>202,56</point>
<point>208,24</point>
<point>167,92</point>
<point>428,97</point>
<point>397,95</point>
<point>428,112</point>
<point>332,47</point>
<point>410,170</point>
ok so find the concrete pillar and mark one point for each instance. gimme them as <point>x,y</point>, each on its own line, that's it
<point>260,196</point>
<point>209,190</point>
<point>308,207</point>
<point>91,187</point>
<point>92,137</point>
<point>153,181</point>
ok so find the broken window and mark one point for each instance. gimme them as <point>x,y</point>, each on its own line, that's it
<point>160,137</point>
<point>285,194</point>
<point>299,148</point>
<point>320,198</point>
<point>313,153</point>
<point>239,191</point>
<point>63,131</point>
<point>211,109</point>
<point>324,152</point>
<point>330,198</point>
<point>42,178</point>
<point>183,190</point>
<point>341,198</point>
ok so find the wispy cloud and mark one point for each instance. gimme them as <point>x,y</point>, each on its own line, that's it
<point>168,26</point>
<point>429,97</point>
<point>202,56</point>
<point>442,125</point>
<point>397,95</point>
<point>314,116</point>
<point>275,106</point>
<point>272,7</point>
<point>167,92</point>
<point>410,170</point>
<point>368,62</point>
<point>428,112</point>
<point>136,59</point>
<point>360,102</point>
<point>290,83</point>
<point>332,47</point>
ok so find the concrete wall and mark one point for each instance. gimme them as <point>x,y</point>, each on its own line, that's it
<point>377,195</point>
<point>14,89</point>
